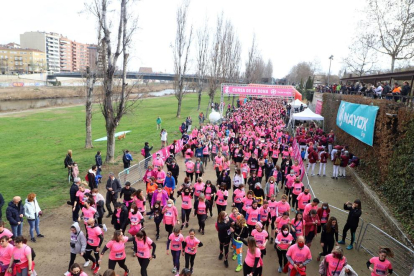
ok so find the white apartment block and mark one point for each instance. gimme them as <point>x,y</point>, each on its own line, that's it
<point>45,42</point>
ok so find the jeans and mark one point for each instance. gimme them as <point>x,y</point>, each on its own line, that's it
<point>34,223</point>
<point>17,229</point>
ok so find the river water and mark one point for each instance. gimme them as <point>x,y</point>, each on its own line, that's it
<point>17,105</point>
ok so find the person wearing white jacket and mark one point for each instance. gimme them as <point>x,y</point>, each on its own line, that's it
<point>32,212</point>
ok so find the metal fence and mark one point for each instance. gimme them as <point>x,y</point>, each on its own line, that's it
<point>373,237</point>
<point>134,173</point>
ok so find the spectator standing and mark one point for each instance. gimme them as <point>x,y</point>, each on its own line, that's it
<point>14,213</point>
<point>73,200</point>
<point>163,135</point>
<point>68,164</point>
<point>1,205</point>
<point>126,159</point>
<point>159,121</point>
<point>32,212</point>
<point>405,91</point>
<point>98,162</point>
<point>113,187</point>
<point>92,177</point>
<point>396,92</point>
<point>147,150</point>
<point>386,90</point>
<point>378,90</point>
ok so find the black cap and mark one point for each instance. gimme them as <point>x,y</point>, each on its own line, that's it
<point>128,183</point>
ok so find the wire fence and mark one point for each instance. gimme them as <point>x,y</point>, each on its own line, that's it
<point>373,237</point>
<point>134,173</point>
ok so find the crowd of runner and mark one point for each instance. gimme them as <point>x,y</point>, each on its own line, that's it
<point>252,156</point>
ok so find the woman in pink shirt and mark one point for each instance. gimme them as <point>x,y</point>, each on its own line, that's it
<point>252,216</point>
<point>297,224</point>
<point>4,231</point>
<point>117,251</point>
<point>381,266</point>
<point>283,206</point>
<point>186,204</point>
<point>200,209</point>
<point>21,259</point>
<point>88,211</point>
<point>176,240</point>
<point>335,262</point>
<point>6,252</point>
<point>303,199</point>
<point>139,200</point>
<point>142,247</point>
<point>191,244</point>
<point>273,209</point>
<point>247,202</point>
<point>198,188</point>
<point>221,198</point>
<point>170,216</point>
<point>261,236</point>
<point>297,188</point>
<point>282,243</point>
<point>189,169</point>
<point>253,263</point>
<point>280,221</point>
<point>76,270</point>
<point>136,219</point>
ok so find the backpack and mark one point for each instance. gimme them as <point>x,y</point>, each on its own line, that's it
<point>143,152</point>
<point>124,158</point>
<point>33,253</point>
<point>87,177</point>
<point>216,225</point>
<point>337,161</point>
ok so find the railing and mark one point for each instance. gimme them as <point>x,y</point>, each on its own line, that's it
<point>134,173</point>
<point>373,237</point>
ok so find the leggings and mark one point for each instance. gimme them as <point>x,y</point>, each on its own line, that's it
<point>72,260</point>
<point>157,228</point>
<point>281,254</point>
<point>273,223</point>
<point>247,270</point>
<point>112,264</point>
<point>238,250</point>
<point>190,175</point>
<point>201,221</point>
<point>327,248</point>
<point>225,246</point>
<point>294,201</point>
<point>206,159</point>
<point>221,208</point>
<point>197,175</point>
<point>169,229</point>
<point>210,207</point>
<point>144,262</point>
<point>176,258</point>
<point>353,230</point>
<point>250,229</point>
<point>189,260</point>
<point>88,254</point>
<point>185,215</point>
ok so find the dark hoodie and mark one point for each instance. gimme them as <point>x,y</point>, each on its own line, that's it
<point>13,213</point>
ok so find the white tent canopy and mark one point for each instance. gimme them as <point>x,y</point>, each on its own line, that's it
<point>307,115</point>
<point>297,103</point>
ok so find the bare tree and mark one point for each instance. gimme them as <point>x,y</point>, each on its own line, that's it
<point>181,50</point>
<point>268,72</point>
<point>114,98</point>
<point>251,61</point>
<point>203,38</point>
<point>89,85</point>
<point>362,56</point>
<point>394,28</point>
<point>300,71</point>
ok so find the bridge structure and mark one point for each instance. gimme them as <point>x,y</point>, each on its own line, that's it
<point>130,75</point>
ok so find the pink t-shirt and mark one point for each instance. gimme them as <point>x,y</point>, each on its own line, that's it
<point>260,238</point>
<point>176,242</point>
<point>6,232</point>
<point>264,213</point>
<point>88,214</point>
<point>290,179</point>
<point>208,193</point>
<point>324,218</point>
<point>140,204</point>
<point>198,188</point>
<point>218,160</point>
<point>303,199</point>
<point>280,222</point>
<point>135,218</point>
<point>143,249</point>
<point>298,255</point>
<point>282,207</point>
<point>186,201</point>
<point>273,207</point>
<point>284,242</point>
<point>21,254</point>
<point>170,215</point>
<point>297,188</point>
<point>93,235</point>
<point>117,249</point>
<point>250,257</point>
<point>6,254</point>
<point>201,208</point>
<point>298,227</point>
<point>271,189</point>
<point>189,166</point>
<point>220,197</point>
<point>335,266</point>
<point>191,245</point>
<point>380,268</point>
<point>81,195</point>
<point>308,208</point>
<point>253,216</point>
<point>247,203</point>
<point>238,195</point>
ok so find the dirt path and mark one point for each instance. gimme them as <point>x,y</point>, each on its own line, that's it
<point>53,251</point>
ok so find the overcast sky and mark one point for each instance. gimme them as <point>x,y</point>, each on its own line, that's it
<point>287,31</point>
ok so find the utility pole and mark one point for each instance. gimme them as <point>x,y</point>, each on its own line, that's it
<point>329,73</point>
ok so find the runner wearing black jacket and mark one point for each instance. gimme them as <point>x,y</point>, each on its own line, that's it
<point>352,221</point>
<point>224,223</point>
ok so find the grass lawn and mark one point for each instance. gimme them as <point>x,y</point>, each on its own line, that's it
<point>34,145</point>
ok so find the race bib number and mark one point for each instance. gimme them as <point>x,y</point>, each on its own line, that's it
<point>119,255</point>
<point>90,240</point>
<point>168,214</point>
<point>185,202</point>
<point>140,254</point>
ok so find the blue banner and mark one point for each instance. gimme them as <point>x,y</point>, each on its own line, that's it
<point>358,120</point>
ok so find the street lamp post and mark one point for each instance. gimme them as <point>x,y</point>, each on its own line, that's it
<point>329,73</point>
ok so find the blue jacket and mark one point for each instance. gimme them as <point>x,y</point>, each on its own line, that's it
<point>98,160</point>
<point>199,152</point>
<point>169,182</point>
<point>13,213</point>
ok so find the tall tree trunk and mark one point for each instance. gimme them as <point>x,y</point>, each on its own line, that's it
<point>88,139</point>
<point>200,89</point>
<point>392,64</point>
<point>179,107</point>
<point>110,143</point>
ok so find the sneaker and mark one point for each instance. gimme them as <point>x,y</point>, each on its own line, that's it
<point>33,239</point>
<point>312,175</point>
<point>174,270</point>
<point>279,269</point>
<point>324,175</point>
<point>202,232</point>
<point>157,237</point>
<point>182,226</point>
<point>349,247</point>
<point>93,266</point>
<point>220,256</point>
<point>336,178</point>
<point>234,257</point>
<point>96,270</point>
<point>66,273</point>
<point>318,259</point>
<point>341,242</point>
<point>86,264</point>
<point>318,175</point>
<point>109,215</point>
<point>126,273</point>
<point>226,263</point>
<point>191,271</point>
<point>271,239</point>
<point>186,225</point>
<point>211,214</point>
<point>199,230</point>
<point>105,228</point>
<point>239,268</point>
<point>40,236</point>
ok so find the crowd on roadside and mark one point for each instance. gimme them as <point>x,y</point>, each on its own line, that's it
<point>381,90</point>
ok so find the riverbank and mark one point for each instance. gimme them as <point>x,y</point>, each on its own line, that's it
<point>55,92</point>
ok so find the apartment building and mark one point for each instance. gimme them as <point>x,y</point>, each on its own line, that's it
<point>45,42</point>
<point>66,64</point>
<point>21,60</point>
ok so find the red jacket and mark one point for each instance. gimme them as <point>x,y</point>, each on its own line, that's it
<point>309,222</point>
<point>313,157</point>
<point>320,212</point>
